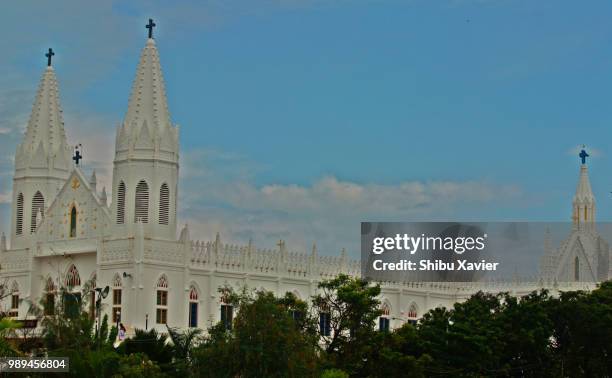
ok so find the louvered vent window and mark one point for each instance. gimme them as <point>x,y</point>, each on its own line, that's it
<point>142,202</point>
<point>19,220</point>
<point>38,204</point>
<point>121,203</point>
<point>164,204</point>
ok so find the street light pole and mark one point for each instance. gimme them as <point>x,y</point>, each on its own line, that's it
<point>101,294</point>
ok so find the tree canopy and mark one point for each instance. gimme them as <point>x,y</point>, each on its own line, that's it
<point>536,335</point>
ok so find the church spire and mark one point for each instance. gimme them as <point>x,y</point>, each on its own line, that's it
<point>146,164</point>
<point>147,131</point>
<point>584,200</point>
<point>44,144</point>
<point>148,98</point>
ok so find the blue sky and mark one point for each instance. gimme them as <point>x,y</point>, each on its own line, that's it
<point>301,118</point>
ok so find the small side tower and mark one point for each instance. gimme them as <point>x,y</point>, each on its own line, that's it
<point>146,165</point>
<point>583,205</point>
<point>42,160</point>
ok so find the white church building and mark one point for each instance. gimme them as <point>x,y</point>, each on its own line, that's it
<point>66,234</point>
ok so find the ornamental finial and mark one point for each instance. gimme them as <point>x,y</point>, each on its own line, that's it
<point>583,155</point>
<point>150,26</point>
<point>49,55</point>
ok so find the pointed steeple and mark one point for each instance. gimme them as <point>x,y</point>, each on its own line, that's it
<point>44,144</point>
<point>146,163</point>
<point>42,159</point>
<point>583,190</point>
<point>584,200</point>
<point>147,131</point>
<point>103,197</point>
<point>93,182</point>
<point>148,98</point>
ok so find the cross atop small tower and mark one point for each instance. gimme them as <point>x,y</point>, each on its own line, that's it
<point>583,155</point>
<point>150,26</point>
<point>49,55</point>
<point>77,154</point>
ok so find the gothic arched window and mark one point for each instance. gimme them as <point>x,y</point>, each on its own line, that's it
<point>227,316</point>
<point>142,202</point>
<point>121,203</point>
<point>117,297</point>
<point>73,222</point>
<point>325,323</point>
<point>50,285</point>
<point>117,282</point>
<point>72,298</point>
<point>19,218</point>
<point>14,312</point>
<point>38,205</point>
<point>72,277</point>
<point>412,311</point>
<point>193,307</point>
<point>164,204</point>
<point>576,269</point>
<point>49,305</point>
<point>162,300</point>
<point>384,323</point>
<point>412,314</point>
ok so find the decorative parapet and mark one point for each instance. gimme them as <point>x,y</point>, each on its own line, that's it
<point>117,250</point>
<point>15,260</point>
<point>163,251</point>
<point>280,262</point>
<point>215,255</point>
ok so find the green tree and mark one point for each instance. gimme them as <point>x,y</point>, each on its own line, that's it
<point>182,345</point>
<point>465,339</point>
<point>353,306</point>
<point>583,332</point>
<point>137,366</point>
<point>149,343</point>
<point>397,353</point>
<point>270,337</point>
<point>7,326</point>
<point>525,333</point>
<point>214,357</point>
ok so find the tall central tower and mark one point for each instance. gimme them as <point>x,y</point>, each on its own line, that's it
<point>146,164</point>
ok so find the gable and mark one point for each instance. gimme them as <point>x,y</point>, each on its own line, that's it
<point>76,197</point>
<point>576,246</point>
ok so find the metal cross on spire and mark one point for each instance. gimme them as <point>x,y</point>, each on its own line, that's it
<point>77,153</point>
<point>49,55</point>
<point>150,26</point>
<point>583,155</point>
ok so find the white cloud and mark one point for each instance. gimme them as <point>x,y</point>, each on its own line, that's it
<point>6,197</point>
<point>328,211</point>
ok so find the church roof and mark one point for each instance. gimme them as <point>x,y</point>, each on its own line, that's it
<point>148,98</point>
<point>45,136</point>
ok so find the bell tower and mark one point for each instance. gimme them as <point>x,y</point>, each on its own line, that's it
<point>42,160</point>
<point>146,164</point>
